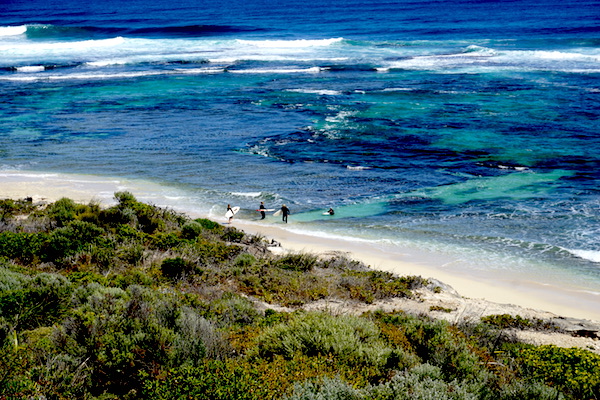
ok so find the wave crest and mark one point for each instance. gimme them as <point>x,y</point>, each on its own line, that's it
<point>12,30</point>
<point>299,43</point>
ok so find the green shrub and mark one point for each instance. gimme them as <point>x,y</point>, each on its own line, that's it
<point>212,380</point>
<point>114,216</point>
<point>233,310</point>
<point>438,343</point>
<point>127,233</point>
<point>526,390</point>
<point>325,389</point>
<point>123,332</point>
<point>425,382</point>
<point>16,381</point>
<point>125,199</point>
<point>208,224</point>
<point>232,235</point>
<point>85,277</point>
<point>441,309</point>
<point>505,321</point>
<point>130,277</point>
<point>71,239</point>
<point>574,371</point>
<point>11,280</point>
<point>9,208</point>
<point>130,252</point>
<point>297,262</point>
<point>191,230</point>
<point>244,260</point>
<point>62,211</point>
<point>176,268</point>
<point>37,301</point>
<point>21,247</point>
<point>350,338</point>
<point>164,241</point>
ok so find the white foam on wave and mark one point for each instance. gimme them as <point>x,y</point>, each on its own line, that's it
<point>312,70</point>
<point>590,255</point>
<point>322,92</point>
<point>299,43</point>
<point>247,194</point>
<point>12,30</point>
<point>78,45</point>
<point>357,168</point>
<point>31,68</point>
<point>107,63</point>
<point>559,55</point>
<point>103,76</point>
<point>440,61</point>
<point>398,89</point>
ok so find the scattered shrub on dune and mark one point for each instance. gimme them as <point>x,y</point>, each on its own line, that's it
<point>10,208</point>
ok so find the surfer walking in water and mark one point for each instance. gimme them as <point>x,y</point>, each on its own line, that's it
<point>262,207</point>
<point>284,213</point>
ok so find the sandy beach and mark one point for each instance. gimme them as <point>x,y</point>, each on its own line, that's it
<point>559,301</point>
<point>503,290</point>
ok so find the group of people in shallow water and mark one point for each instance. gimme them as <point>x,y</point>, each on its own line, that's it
<point>285,211</point>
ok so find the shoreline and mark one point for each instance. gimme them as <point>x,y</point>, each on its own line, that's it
<point>510,292</point>
<point>489,286</point>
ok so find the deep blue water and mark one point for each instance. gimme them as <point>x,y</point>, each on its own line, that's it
<point>465,128</point>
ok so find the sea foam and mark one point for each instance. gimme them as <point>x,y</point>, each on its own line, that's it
<point>13,30</point>
<point>590,255</point>
<point>289,43</point>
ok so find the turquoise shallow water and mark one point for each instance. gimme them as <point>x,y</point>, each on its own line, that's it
<point>469,129</point>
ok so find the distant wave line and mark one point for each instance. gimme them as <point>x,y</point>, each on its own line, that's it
<point>298,43</point>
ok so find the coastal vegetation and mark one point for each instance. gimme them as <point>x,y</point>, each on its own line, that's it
<point>134,301</point>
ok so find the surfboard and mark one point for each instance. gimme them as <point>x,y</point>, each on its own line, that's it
<point>277,213</point>
<point>266,209</point>
<point>232,212</point>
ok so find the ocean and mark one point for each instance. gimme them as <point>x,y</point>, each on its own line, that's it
<point>465,129</point>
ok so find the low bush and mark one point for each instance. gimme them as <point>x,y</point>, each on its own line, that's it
<point>208,224</point>
<point>24,248</point>
<point>354,339</point>
<point>71,239</point>
<point>574,371</point>
<point>35,301</point>
<point>506,321</point>
<point>176,268</point>
<point>301,262</point>
<point>191,230</point>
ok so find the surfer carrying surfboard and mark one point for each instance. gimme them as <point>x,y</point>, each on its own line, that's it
<point>262,207</point>
<point>284,213</point>
<point>229,212</point>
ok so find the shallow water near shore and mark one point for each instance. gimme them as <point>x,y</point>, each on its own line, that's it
<point>467,133</point>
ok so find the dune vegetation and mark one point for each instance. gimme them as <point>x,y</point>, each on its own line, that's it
<point>134,301</point>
